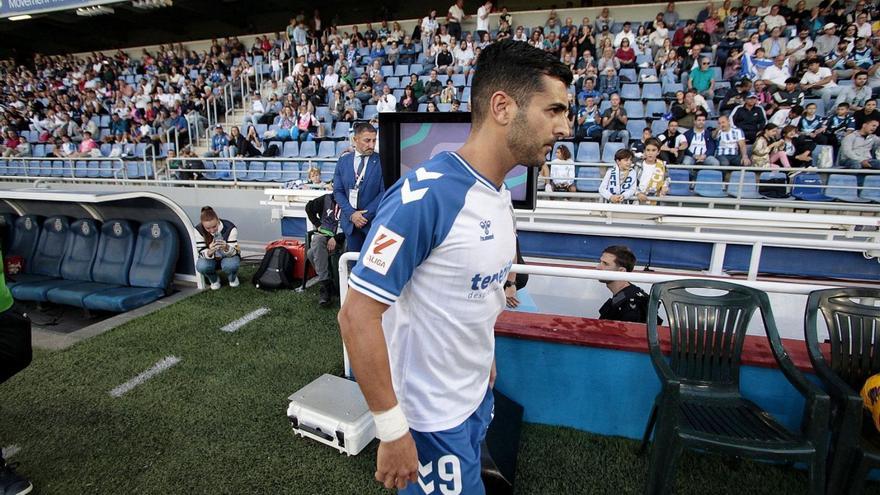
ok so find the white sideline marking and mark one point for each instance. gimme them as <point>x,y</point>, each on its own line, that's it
<point>157,368</point>
<point>10,451</point>
<point>244,320</point>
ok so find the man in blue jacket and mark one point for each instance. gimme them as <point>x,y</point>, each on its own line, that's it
<point>358,186</point>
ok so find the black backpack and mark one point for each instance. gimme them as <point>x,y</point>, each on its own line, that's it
<point>276,270</point>
<point>773,186</point>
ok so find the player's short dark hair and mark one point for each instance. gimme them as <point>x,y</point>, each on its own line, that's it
<point>515,68</point>
<point>623,257</point>
<point>363,127</point>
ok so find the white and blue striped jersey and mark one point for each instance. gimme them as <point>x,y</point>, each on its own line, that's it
<point>440,249</point>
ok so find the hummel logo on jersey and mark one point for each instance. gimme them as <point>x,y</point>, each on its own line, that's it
<point>486,225</point>
<point>382,250</point>
<point>408,194</point>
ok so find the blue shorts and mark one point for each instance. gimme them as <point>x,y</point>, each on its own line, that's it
<point>449,460</point>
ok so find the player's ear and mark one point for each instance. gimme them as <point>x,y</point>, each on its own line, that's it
<point>502,108</point>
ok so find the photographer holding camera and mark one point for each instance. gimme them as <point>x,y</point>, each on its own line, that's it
<point>217,244</point>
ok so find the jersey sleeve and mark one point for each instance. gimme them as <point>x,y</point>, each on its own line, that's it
<point>409,224</point>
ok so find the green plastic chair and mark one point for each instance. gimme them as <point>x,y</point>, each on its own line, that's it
<point>700,405</point>
<point>855,356</point>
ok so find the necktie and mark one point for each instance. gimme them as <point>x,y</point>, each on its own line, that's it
<point>360,170</point>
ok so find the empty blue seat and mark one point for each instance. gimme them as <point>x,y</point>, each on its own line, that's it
<point>588,152</point>
<point>629,74</point>
<point>26,234</point>
<point>291,149</point>
<point>110,269</point>
<point>151,273</point>
<point>871,188</point>
<point>46,260</point>
<point>342,147</point>
<point>327,171</point>
<point>809,187</point>
<point>370,111</point>
<point>844,187</point>
<point>635,128</point>
<point>256,172</point>
<point>273,172</point>
<point>679,182</point>
<point>327,149</point>
<point>589,179</point>
<point>749,188</point>
<point>634,109</point>
<point>239,170</point>
<point>76,264</point>
<point>341,130</point>
<point>630,92</point>
<point>59,166</point>
<point>289,171</point>
<point>307,149</point>
<point>655,109</point>
<point>609,151</point>
<point>709,184</point>
<point>81,168</point>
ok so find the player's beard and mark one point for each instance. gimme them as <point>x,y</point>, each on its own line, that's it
<point>524,145</point>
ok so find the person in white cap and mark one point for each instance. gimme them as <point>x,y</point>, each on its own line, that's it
<point>827,41</point>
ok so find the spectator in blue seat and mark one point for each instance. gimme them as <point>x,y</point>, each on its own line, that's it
<point>118,126</point>
<point>432,90</point>
<point>700,149</point>
<point>620,183</point>
<point>407,53</point>
<point>609,82</point>
<point>614,123</point>
<point>219,142</point>
<point>857,148</point>
<point>702,79</point>
<point>589,91</point>
<point>217,245</point>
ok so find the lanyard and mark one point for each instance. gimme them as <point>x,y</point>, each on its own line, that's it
<point>359,175</point>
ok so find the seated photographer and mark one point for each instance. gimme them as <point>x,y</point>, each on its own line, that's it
<point>217,244</point>
<point>323,212</point>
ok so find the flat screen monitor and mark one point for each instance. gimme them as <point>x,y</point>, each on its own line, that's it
<point>408,139</point>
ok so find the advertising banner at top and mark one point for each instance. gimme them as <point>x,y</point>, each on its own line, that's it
<point>9,8</point>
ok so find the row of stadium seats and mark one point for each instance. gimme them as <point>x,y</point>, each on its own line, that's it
<point>255,171</point>
<point>711,184</point>
<point>132,169</point>
<point>113,266</point>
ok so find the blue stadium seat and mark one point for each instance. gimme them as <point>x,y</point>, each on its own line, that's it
<point>26,234</point>
<point>679,182</point>
<point>590,179</point>
<point>322,113</point>
<point>644,72</point>
<point>290,150</point>
<point>223,170</point>
<point>609,151</point>
<point>635,128</point>
<point>106,168</point>
<point>290,171</point>
<point>466,95</point>
<point>588,152</point>
<point>93,169</point>
<point>655,109</point>
<point>46,260</point>
<point>458,80</point>
<point>39,150</point>
<point>749,185</point>
<point>327,171</point>
<point>809,187</point>
<point>58,168</point>
<point>151,273</point>
<point>307,149</point>
<point>256,172</point>
<point>393,82</point>
<point>709,184</point>
<point>628,74</point>
<point>341,146</point>
<point>76,264</point>
<point>416,68</point>
<point>402,70</point>
<point>80,168</point>
<point>444,107</point>
<point>652,91</point>
<point>273,172</point>
<point>672,88</point>
<point>387,70</point>
<point>341,130</point>
<point>871,188</point>
<point>634,110</point>
<point>239,170</point>
<point>17,167</point>
<point>630,92</point>
<point>844,187</point>
<point>326,149</point>
<point>4,166</point>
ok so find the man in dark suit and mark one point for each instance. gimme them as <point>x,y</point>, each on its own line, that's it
<point>358,186</point>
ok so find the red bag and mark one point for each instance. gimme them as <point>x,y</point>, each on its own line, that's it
<point>297,249</point>
<point>13,265</point>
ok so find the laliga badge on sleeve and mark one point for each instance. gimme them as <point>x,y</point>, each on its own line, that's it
<point>382,251</point>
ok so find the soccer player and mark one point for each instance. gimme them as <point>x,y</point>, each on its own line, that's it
<point>423,298</point>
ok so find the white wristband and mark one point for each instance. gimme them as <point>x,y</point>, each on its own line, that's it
<point>391,424</point>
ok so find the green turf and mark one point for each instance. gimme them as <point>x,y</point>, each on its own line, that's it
<point>215,423</point>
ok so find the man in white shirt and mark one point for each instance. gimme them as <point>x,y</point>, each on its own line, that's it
<point>864,27</point>
<point>821,81</point>
<point>331,79</point>
<point>731,148</point>
<point>454,17</point>
<point>796,48</point>
<point>257,108</point>
<point>626,33</point>
<point>827,41</point>
<point>774,20</point>
<point>483,19</point>
<point>387,102</point>
<point>777,73</point>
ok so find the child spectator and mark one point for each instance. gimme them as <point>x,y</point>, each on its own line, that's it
<point>654,179</point>
<point>769,149</point>
<point>620,182</point>
<point>560,175</point>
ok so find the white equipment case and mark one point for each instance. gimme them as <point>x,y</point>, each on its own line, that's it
<point>333,411</point>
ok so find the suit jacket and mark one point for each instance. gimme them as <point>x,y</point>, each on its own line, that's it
<point>370,192</point>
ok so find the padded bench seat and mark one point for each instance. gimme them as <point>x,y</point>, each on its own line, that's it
<point>38,290</point>
<point>121,299</point>
<point>73,295</point>
<point>26,278</point>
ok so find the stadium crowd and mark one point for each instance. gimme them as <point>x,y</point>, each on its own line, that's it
<point>801,78</point>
